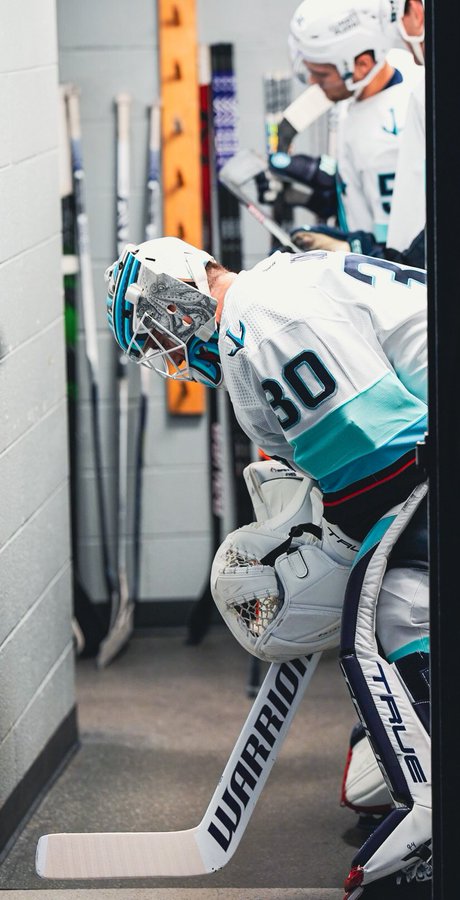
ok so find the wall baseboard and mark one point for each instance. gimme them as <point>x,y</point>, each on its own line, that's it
<point>27,795</point>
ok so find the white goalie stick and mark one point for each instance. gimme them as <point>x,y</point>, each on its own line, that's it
<point>211,844</point>
<point>89,323</point>
<point>121,614</point>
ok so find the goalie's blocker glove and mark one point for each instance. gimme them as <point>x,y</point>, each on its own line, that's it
<point>313,180</point>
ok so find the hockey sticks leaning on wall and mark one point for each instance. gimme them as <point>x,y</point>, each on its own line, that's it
<point>122,615</point>
<point>152,230</point>
<point>90,328</point>
<point>88,625</point>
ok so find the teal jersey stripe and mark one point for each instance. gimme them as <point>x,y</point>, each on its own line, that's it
<point>378,460</point>
<point>420,646</point>
<point>358,428</point>
<point>374,536</point>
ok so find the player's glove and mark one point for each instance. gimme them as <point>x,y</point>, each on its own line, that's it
<point>313,178</point>
<point>324,237</point>
<point>316,238</point>
<point>268,187</point>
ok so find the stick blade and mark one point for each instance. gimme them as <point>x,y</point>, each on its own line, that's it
<point>118,636</point>
<point>119,855</point>
<point>242,167</point>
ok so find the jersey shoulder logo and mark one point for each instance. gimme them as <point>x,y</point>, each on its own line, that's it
<point>393,129</point>
<point>238,340</point>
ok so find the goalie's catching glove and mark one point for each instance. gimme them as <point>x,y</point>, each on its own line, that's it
<point>280,587</point>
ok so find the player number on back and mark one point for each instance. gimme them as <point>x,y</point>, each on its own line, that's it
<point>402,274</point>
<point>320,386</point>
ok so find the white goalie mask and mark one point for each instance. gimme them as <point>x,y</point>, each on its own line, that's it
<point>160,310</point>
<point>335,33</point>
<point>393,12</point>
<point>280,587</point>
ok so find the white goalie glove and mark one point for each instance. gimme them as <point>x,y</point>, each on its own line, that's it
<point>279,583</point>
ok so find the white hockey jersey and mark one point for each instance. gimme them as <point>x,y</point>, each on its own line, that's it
<point>369,140</point>
<point>408,206</point>
<point>325,359</point>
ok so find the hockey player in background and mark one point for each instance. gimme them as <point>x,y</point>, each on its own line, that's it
<point>324,358</point>
<point>402,23</point>
<point>406,229</point>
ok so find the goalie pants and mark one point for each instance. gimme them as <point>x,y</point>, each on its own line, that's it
<point>384,657</point>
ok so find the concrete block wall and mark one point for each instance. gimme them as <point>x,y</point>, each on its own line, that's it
<point>36,653</point>
<point>105,48</point>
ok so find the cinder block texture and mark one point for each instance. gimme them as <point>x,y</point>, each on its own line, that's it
<point>36,650</point>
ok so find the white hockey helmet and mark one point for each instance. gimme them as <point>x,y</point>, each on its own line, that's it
<point>393,12</point>
<point>335,33</point>
<point>160,311</point>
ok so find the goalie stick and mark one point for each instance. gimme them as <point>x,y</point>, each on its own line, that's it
<point>89,325</point>
<point>152,230</point>
<point>122,614</point>
<point>88,626</point>
<point>200,616</point>
<point>218,109</point>
<point>211,844</point>
<point>277,94</point>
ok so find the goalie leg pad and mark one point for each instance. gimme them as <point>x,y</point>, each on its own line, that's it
<point>400,742</point>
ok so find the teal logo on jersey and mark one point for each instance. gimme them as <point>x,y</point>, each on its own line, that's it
<point>238,341</point>
<point>394,128</point>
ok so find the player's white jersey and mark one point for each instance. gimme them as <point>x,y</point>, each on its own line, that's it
<point>324,356</point>
<point>368,145</point>
<point>408,206</point>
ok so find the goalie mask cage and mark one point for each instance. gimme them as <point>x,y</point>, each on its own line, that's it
<point>442,450</point>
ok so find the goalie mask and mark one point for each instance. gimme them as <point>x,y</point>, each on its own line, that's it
<point>160,311</point>
<point>279,587</point>
<point>336,34</point>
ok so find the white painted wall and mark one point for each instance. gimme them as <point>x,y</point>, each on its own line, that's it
<point>36,655</point>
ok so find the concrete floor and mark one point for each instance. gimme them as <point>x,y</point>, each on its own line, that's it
<point>157,727</point>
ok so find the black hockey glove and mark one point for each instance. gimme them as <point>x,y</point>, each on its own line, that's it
<point>313,180</point>
<point>268,188</point>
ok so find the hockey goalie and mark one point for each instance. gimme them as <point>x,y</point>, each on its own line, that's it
<point>280,585</point>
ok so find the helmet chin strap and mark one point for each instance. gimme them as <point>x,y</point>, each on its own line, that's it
<point>414,40</point>
<point>357,87</point>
